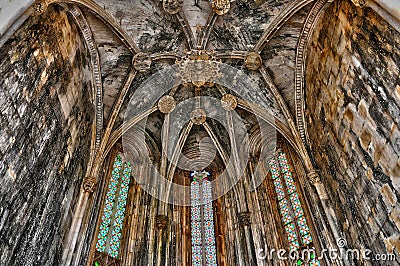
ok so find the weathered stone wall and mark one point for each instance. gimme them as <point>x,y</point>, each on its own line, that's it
<point>352,105</point>
<point>45,118</point>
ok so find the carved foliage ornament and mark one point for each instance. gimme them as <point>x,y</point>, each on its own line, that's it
<point>198,116</point>
<point>220,7</point>
<point>253,61</point>
<point>89,184</point>
<point>166,104</point>
<point>172,6</point>
<point>228,102</point>
<point>198,68</point>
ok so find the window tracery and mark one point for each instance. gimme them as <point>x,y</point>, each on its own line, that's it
<point>202,221</point>
<point>110,232</point>
<point>291,211</point>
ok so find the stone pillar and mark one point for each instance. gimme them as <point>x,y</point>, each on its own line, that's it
<point>88,187</point>
<point>315,180</point>
<point>161,223</point>
<point>244,221</point>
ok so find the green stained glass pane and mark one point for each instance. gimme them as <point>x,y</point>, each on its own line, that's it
<point>306,239</point>
<point>279,188</point>
<point>119,217</point>
<point>274,169</point>
<point>110,233</point>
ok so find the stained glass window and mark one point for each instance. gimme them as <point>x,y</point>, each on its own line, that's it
<point>108,240</point>
<point>291,211</point>
<point>202,221</point>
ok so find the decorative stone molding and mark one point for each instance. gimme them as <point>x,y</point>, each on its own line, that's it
<point>90,184</point>
<point>141,62</point>
<point>172,6</point>
<point>97,89</point>
<point>301,54</point>
<point>244,219</point>
<point>166,104</point>
<point>253,61</point>
<point>229,102</point>
<point>198,116</point>
<point>161,221</point>
<point>359,3</point>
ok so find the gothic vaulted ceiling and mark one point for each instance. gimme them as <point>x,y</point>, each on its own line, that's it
<point>131,41</point>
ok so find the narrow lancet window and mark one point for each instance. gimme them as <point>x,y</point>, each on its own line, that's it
<point>109,238</point>
<point>291,211</point>
<point>202,221</point>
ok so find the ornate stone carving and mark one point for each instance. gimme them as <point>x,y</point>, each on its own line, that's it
<point>89,184</point>
<point>360,3</point>
<point>198,67</point>
<point>141,62</point>
<point>220,7</point>
<point>253,61</point>
<point>244,219</point>
<point>172,6</point>
<point>301,53</point>
<point>313,177</point>
<point>161,221</point>
<point>97,89</point>
<point>198,116</point>
<point>166,104</point>
<point>229,102</point>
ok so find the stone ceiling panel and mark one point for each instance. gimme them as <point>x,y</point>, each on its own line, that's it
<point>151,28</point>
<point>244,24</point>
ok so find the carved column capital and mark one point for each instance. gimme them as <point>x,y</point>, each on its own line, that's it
<point>313,177</point>
<point>161,221</point>
<point>359,3</point>
<point>244,219</point>
<point>89,184</point>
